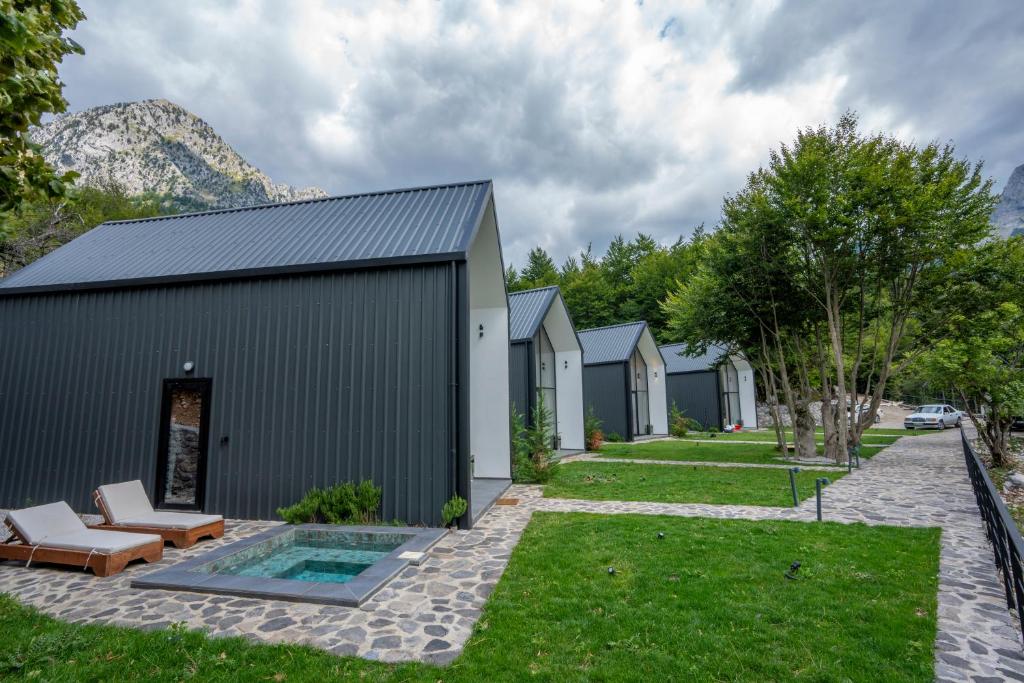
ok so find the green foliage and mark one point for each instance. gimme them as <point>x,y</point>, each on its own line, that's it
<point>42,226</point>
<point>628,283</point>
<point>592,430</point>
<point>613,437</point>
<point>678,423</point>
<point>32,44</point>
<point>339,504</point>
<point>816,272</point>
<point>977,315</point>
<point>453,509</point>
<point>532,454</point>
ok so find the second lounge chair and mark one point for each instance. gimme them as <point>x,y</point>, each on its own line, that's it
<point>126,507</point>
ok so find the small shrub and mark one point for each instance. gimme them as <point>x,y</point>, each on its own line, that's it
<point>532,455</point>
<point>453,509</point>
<point>678,423</point>
<point>592,433</point>
<point>694,426</point>
<point>613,437</point>
<point>339,504</point>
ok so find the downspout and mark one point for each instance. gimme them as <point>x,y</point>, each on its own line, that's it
<point>630,408</point>
<point>463,466</point>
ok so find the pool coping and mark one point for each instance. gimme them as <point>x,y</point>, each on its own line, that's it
<point>185,577</point>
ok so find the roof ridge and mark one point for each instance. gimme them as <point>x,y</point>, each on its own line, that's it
<point>608,327</point>
<point>311,200</point>
<point>535,289</point>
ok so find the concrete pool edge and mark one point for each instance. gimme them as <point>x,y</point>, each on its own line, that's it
<point>185,576</point>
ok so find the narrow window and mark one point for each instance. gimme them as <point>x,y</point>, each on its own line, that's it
<point>181,464</point>
<point>641,407</point>
<point>546,382</point>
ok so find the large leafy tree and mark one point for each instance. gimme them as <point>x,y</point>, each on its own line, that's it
<point>32,44</point>
<point>828,246</point>
<point>977,315</point>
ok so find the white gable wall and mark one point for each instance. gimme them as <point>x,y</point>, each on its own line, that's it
<point>747,392</point>
<point>657,394</point>
<point>569,377</point>
<point>488,355</point>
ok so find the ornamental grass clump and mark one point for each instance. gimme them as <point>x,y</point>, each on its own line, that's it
<point>344,503</point>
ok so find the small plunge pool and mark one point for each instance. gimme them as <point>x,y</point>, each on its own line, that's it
<point>338,565</point>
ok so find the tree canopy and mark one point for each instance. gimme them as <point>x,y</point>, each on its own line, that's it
<point>32,43</point>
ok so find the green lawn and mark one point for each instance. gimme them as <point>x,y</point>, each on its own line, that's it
<point>704,452</point>
<point>709,602</point>
<point>681,483</point>
<point>769,437</point>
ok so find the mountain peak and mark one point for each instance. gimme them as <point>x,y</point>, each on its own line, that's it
<point>1008,215</point>
<point>157,146</point>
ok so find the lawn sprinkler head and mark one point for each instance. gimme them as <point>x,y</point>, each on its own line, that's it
<point>661,535</point>
<point>793,569</point>
<point>611,571</point>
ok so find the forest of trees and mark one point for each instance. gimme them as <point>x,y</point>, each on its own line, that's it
<point>628,283</point>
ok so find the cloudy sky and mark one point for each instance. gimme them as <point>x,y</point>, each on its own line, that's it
<point>592,118</point>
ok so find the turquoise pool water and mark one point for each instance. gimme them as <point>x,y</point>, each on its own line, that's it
<point>322,558</point>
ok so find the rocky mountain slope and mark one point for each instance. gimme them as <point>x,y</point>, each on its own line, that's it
<point>157,147</point>
<point>1009,213</point>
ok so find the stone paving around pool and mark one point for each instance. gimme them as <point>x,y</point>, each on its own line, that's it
<point>428,612</point>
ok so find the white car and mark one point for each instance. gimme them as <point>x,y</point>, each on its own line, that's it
<point>935,416</point>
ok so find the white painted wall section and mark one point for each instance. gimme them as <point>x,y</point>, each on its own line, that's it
<point>488,355</point>
<point>657,385</point>
<point>569,374</point>
<point>570,398</point>
<point>747,392</point>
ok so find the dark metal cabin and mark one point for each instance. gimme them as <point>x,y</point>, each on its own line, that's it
<point>624,380</point>
<point>233,359</point>
<point>714,388</point>
<point>547,360</point>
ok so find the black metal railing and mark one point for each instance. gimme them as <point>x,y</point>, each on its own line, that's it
<point>1002,530</point>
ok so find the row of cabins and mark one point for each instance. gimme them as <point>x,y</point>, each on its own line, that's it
<point>231,360</point>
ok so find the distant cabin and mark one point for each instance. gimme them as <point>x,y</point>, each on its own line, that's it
<point>231,360</point>
<point>547,361</point>
<point>624,380</point>
<point>713,388</point>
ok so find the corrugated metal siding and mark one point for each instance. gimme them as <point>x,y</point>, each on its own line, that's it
<point>526,311</point>
<point>696,394</point>
<point>674,362</point>
<point>316,379</point>
<point>397,224</point>
<point>520,360</point>
<point>610,344</point>
<point>604,389</point>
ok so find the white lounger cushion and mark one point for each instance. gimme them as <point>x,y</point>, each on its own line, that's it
<point>127,500</point>
<point>38,524</point>
<point>171,520</point>
<point>104,542</point>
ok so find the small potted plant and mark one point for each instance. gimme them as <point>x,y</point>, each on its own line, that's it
<point>452,510</point>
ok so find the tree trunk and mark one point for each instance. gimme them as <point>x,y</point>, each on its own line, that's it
<point>803,431</point>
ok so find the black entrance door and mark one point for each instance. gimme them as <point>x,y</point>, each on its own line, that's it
<point>184,427</point>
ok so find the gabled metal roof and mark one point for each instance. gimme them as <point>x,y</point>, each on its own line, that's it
<point>674,362</point>
<point>526,311</point>
<point>613,344</point>
<point>410,225</point>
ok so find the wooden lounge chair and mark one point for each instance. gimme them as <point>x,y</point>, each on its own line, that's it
<point>125,507</point>
<point>53,533</point>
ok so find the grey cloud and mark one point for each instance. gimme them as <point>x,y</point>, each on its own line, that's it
<point>567,167</point>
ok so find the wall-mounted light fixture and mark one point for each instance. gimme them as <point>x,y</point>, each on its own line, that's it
<point>566,365</point>
<point>481,330</point>
<point>189,366</point>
